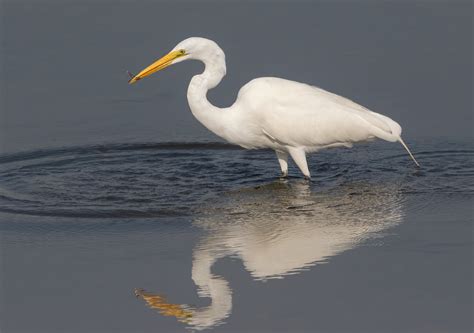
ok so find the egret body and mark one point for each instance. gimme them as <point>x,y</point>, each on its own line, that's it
<point>289,117</point>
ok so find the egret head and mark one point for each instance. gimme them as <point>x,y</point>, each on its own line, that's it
<point>191,48</point>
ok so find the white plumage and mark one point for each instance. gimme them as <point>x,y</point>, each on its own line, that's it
<point>289,117</point>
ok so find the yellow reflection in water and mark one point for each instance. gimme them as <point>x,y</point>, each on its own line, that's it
<point>161,304</point>
<point>277,230</point>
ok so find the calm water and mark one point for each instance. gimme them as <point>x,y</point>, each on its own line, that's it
<point>105,228</point>
<point>171,237</point>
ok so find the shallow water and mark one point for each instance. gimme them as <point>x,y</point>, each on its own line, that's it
<point>94,237</point>
<point>134,235</point>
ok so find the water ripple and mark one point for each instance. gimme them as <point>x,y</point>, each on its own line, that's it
<point>173,179</point>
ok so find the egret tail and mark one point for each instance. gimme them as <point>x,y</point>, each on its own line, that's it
<point>408,150</point>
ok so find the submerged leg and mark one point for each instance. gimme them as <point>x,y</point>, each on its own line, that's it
<point>283,160</point>
<point>299,156</point>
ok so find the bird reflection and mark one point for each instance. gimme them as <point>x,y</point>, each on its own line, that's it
<point>278,229</point>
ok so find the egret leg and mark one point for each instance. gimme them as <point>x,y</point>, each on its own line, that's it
<point>283,160</point>
<point>299,156</point>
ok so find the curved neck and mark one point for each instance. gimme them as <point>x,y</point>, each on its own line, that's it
<point>209,115</point>
<point>212,286</point>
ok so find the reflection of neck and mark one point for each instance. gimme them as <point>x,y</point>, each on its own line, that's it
<point>212,286</point>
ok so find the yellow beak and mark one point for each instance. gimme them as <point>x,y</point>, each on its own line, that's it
<point>158,65</point>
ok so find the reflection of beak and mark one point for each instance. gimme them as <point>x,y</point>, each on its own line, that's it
<point>158,65</point>
<point>160,303</point>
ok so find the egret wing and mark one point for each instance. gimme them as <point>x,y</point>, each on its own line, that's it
<point>297,114</point>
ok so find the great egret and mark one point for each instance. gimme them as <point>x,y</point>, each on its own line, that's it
<point>289,117</point>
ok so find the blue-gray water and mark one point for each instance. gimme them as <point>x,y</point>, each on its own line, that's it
<point>372,244</point>
<point>119,212</point>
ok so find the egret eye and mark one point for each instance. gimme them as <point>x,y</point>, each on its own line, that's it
<point>182,52</point>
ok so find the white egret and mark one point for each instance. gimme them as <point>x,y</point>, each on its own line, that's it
<point>289,117</point>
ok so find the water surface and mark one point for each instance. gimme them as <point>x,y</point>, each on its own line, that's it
<point>120,213</point>
<point>172,236</point>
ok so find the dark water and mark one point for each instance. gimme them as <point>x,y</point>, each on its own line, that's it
<point>164,237</point>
